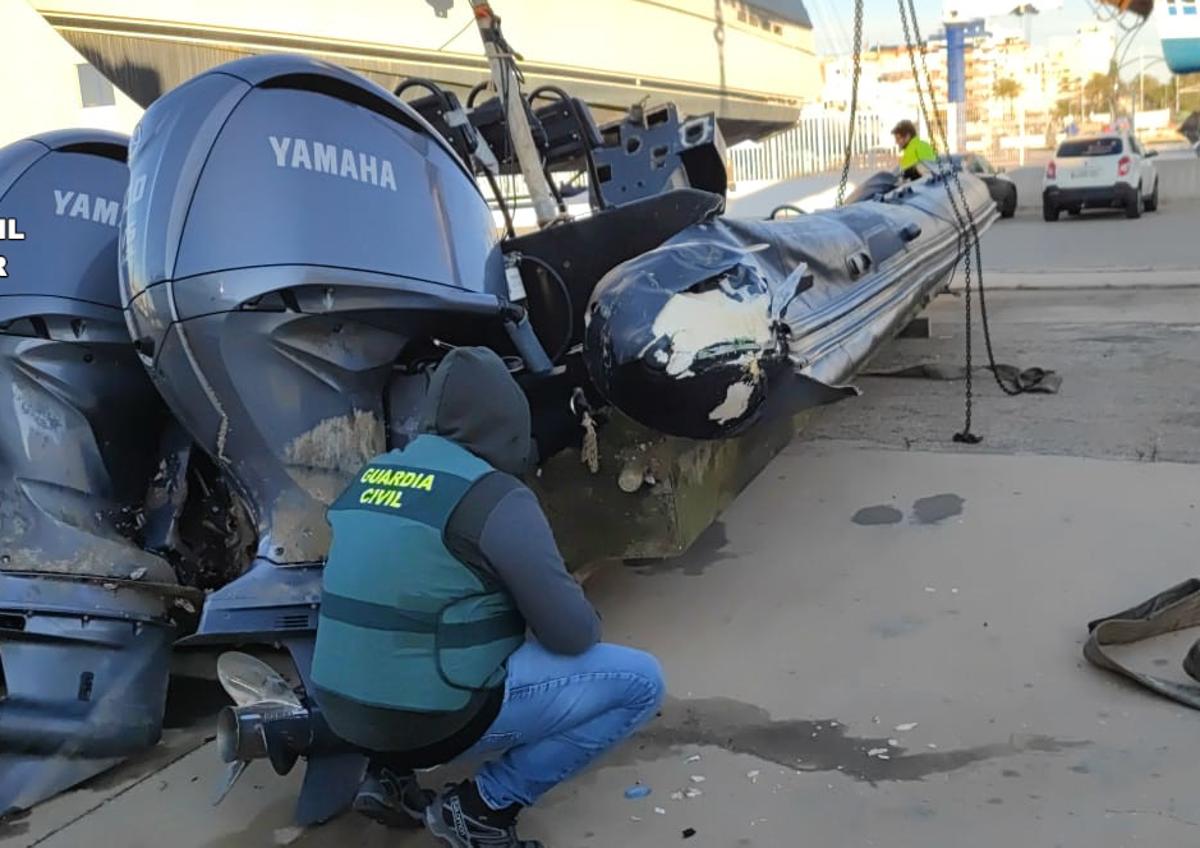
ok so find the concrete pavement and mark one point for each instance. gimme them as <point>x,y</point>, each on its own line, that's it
<point>801,634</point>
<point>1098,241</point>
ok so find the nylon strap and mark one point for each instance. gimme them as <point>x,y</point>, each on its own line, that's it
<point>1178,608</point>
<point>381,617</point>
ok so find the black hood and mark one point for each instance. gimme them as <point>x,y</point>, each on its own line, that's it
<point>475,402</point>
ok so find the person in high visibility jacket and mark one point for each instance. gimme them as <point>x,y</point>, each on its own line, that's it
<point>914,151</point>
<point>449,626</point>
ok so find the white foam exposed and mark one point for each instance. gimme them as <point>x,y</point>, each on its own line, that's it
<point>735,405</point>
<point>694,322</point>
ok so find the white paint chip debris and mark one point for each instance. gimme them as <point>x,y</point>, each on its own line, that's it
<point>895,743</point>
<point>660,811</point>
<point>931,746</point>
<point>677,796</point>
<point>904,728</point>
<point>693,792</point>
<point>698,778</point>
<point>288,835</point>
<point>931,590</point>
<point>694,758</point>
<point>877,752</point>
<point>752,775</point>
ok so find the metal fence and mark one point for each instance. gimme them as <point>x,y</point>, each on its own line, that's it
<point>816,145</point>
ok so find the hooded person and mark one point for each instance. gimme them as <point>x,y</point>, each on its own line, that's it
<point>450,627</point>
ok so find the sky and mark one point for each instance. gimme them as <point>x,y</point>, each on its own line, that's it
<point>834,19</point>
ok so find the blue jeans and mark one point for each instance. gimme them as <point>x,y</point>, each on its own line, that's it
<point>560,714</point>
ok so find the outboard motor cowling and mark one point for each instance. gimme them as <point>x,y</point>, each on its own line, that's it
<point>86,614</point>
<point>293,232</point>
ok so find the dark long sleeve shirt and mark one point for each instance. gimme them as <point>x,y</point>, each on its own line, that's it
<point>500,527</point>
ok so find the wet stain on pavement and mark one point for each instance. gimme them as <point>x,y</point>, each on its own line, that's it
<point>819,745</point>
<point>894,628</point>
<point>1189,419</point>
<point>937,508</point>
<point>873,516</point>
<point>1117,339</point>
<point>708,550</point>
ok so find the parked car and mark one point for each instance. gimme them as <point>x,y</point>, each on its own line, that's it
<point>1105,171</point>
<point>1001,186</point>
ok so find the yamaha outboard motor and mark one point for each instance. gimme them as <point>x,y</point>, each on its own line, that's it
<point>87,616</point>
<point>299,246</point>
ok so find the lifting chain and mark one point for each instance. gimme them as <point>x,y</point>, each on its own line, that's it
<point>857,76</point>
<point>968,231</point>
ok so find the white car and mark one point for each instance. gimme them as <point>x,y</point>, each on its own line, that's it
<point>1100,172</point>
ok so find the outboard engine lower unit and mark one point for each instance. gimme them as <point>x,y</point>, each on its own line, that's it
<point>86,614</point>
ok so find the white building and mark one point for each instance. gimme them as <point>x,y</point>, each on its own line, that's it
<point>999,115</point>
<point>752,62</point>
<point>1075,59</point>
<point>45,84</point>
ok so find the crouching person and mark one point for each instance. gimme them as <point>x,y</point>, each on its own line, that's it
<point>450,627</point>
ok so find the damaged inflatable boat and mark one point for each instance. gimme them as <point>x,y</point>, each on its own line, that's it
<point>732,319</point>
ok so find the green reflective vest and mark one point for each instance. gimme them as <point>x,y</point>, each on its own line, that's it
<point>404,624</point>
<point>917,150</point>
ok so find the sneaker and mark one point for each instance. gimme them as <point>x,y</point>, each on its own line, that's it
<point>460,819</point>
<point>393,799</point>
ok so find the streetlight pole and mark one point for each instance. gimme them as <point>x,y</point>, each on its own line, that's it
<point>1142,83</point>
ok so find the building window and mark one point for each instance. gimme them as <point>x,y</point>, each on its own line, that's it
<point>94,88</point>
